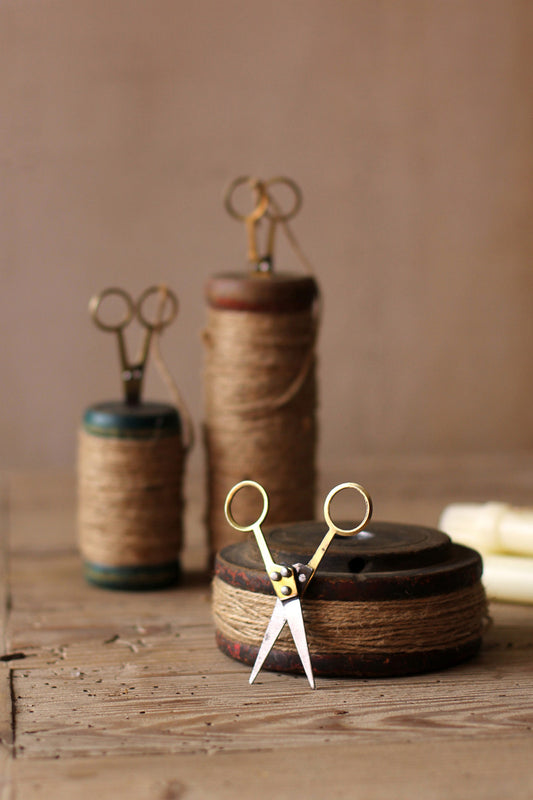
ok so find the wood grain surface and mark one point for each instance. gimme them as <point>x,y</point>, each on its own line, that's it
<point>125,694</point>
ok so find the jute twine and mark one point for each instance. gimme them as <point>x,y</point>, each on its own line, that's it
<point>260,405</point>
<point>375,627</point>
<point>130,499</point>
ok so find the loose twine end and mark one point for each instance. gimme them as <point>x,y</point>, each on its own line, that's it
<point>166,375</point>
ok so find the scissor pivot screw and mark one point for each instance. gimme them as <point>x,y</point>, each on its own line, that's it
<point>285,571</point>
<point>286,590</point>
<point>275,576</point>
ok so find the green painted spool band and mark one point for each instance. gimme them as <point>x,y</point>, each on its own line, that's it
<point>123,421</point>
<point>133,578</point>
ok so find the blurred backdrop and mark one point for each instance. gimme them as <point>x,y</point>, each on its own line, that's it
<point>409,127</point>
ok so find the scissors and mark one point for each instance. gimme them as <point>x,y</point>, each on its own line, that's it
<point>266,207</point>
<point>132,373</point>
<point>290,582</point>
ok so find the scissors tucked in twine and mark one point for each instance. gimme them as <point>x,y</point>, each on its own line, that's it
<point>266,208</point>
<point>290,582</point>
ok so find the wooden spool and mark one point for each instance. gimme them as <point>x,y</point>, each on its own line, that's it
<point>387,564</point>
<point>148,499</point>
<point>285,434</point>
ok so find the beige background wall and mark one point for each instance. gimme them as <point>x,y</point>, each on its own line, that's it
<point>409,127</point>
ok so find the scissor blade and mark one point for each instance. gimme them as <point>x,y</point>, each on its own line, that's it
<point>294,617</point>
<point>277,621</point>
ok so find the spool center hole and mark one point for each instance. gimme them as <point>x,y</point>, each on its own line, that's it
<point>356,564</point>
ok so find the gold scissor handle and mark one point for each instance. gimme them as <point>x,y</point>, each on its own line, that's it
<point>133,372</point>
<point>95,312</point>
<point>261,199</point>
<point>274,210</point>
<point>334,529</point>
<point>366,516</point>
<point>266,205</point>
<point>131,375</point>
<point>229,499</point>
<point>162,317</point>
<point>281,577</point>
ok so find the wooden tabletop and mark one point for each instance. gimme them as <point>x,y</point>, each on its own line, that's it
<point>110,694</point>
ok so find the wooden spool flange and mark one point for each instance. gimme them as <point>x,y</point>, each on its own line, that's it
<point>273,292</point>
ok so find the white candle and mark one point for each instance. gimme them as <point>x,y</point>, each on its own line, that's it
<point>508,578</point>
<point>490,527</point>
<point>504,536</point>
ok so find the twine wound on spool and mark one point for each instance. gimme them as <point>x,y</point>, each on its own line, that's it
<point>130,499</point>
<point>382,627</point>
<point>261,421</point>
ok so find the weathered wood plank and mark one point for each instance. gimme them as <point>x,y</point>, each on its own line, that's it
<point>7,791</point>
<point>123,711</point>
<point>465,770</point>
<point>54,608</point>
<point>4,560</point>
<point>119,673</point>
<point>6,706</point>
<point>137,678</point>
<point>167,689</point>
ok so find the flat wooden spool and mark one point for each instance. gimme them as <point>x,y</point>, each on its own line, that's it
<point>384,564</point>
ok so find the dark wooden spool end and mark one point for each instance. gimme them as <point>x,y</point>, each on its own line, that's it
<point>123,421</point>
<point>387,561</point>
<point>272,292</point>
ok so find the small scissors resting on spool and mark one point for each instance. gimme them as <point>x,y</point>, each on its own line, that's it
<point>266,207</point>
<point>290,582</point>
<point>133,372</point>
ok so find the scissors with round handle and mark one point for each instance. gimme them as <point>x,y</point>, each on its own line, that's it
<point>132,373</point>
<point>266,208</point>
<point>290,582</point>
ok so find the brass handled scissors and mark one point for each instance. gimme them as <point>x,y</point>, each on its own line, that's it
<point>266,208</point>
<point>132,373</point>
<point>290,582</point>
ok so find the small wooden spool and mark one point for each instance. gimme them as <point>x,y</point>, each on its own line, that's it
<point>414,598</point>
<point>246,432</point>
<point>130,523</point>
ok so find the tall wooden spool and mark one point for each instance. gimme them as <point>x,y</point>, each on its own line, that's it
<point>260,334</point>
<point>395,600</point>
<point>260,384</point>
